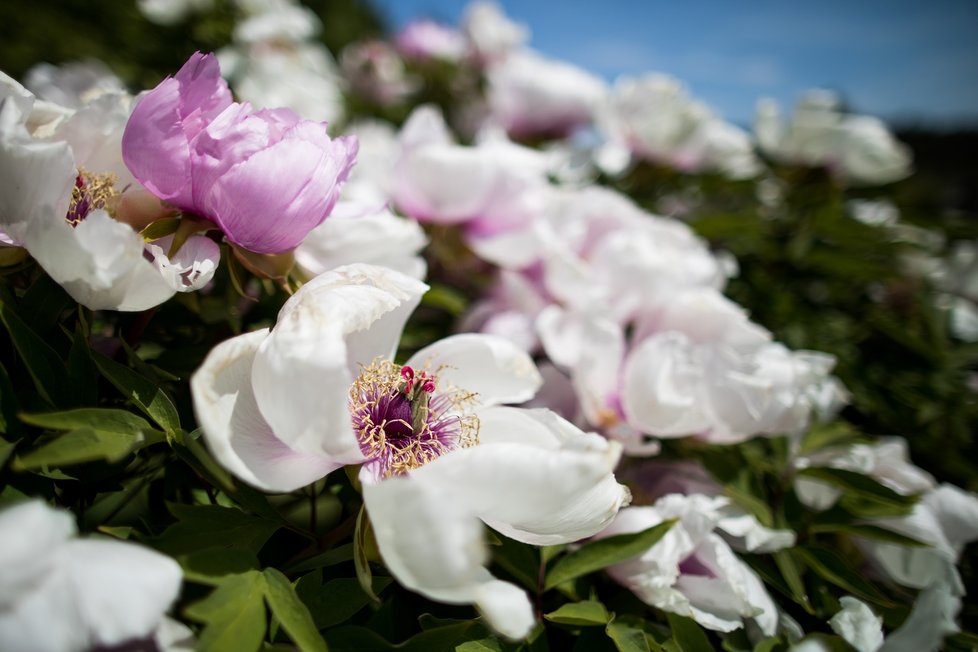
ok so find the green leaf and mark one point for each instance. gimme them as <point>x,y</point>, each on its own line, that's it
<point>44,365</point>
<point>188,447</point>
<point>103,419</point>
<point>488,644</point>
<point>160,228</point>
<point>336,555</point>
<point>210,526</point>
<point>213,565</point>
<point>9,424</point>
<point>82,373</point>
<point>855,483</point>
<point>770,644</point>
<point>234,614</point>
<point>873,532</point>
<point>363,545</point>
<point>627,638</point>
<point>792,576</point>
<point>580,614</point>
<point>144,394</point>
<point>79,446</point>
<point>448,299</point>
<point>521,560</point>
<point>351,638</point>
<point>43,304</point>
<point>6,448</point>
<point>361,639</point>
<point>338,600</point>
<point>824,435</point>
<point>603,553</point>
<point>834,568</point>
<point>444,638</point>
<point>688,635</point>
<point>290,611</point>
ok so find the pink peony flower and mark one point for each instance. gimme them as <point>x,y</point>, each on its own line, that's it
<point>266,178</point>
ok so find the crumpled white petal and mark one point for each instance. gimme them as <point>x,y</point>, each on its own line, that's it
<point>191,267</point>
<point>858,625</point>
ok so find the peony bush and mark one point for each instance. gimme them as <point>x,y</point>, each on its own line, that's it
<point>453,346</point>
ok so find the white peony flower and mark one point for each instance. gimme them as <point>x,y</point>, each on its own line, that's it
<point>281,408</point>
<point>492,35</point>
<point>931,619</point>
<point>532,95</point>
<point>360,233</point>
<point>275,61</point>
<point>695,367</point>
<point>65,182</point>
<point>490,187</point>
<point>692,571</point>
<point>60,593</point>
<point>653,118</point>
<point>859,150</point>
<point>945,518</point>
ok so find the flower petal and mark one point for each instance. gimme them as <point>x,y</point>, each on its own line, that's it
<point>191,267</point>
<point>156,142</point>
<point>490,366</point>
<point>858,625</point>
<point>660,393</point>
<point>534,477</point>
<point>433,545</point>
<point>122,589</point>
<point>308,170</point>
<point>100,262</point>
<point>37,176</point>
<point>31,533</point>
<point>337,322</point>
<point>234,429</point>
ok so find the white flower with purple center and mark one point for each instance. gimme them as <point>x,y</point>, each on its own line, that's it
<point>439,455</point>
<point>67,198</point>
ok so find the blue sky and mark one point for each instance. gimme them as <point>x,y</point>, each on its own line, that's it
<point>900,59</point>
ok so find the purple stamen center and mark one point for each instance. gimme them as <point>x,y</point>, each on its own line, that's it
<point>91,192</point>
<point>402,421</point>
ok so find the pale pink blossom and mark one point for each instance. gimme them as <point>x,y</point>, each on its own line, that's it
<point>266,178</point>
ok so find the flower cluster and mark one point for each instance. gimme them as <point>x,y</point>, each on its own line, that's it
<point>509,358</point>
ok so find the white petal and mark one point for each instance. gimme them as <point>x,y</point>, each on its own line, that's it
<point>356,234</point>
<point>749,535</point>
<point>45,619</point>
<point>234,429</point>
<point>100,262</point>
<point>490,366</point>
<point>661,387</point>
<point>506,607</point>
<point>534,477</point>
<point>340,320</point>
<point>99,592</point>
<point>121,588</point>
<point>37,177</point>
<point>174,636</point>
<point>433,545</point>
<point>31,533</point>
<point>932,618</point>
<point>191,267</point>
<point>858,625</point>
<point>957,512</point>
